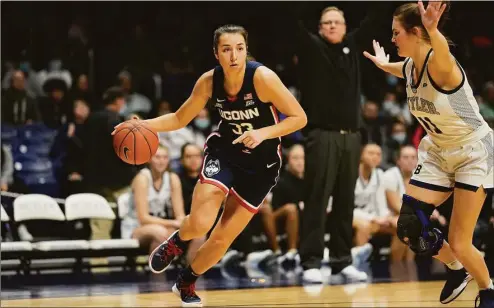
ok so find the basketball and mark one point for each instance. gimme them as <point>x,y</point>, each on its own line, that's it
<point>135,142</point>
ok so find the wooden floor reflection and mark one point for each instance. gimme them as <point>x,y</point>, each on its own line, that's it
<point>399,294</point>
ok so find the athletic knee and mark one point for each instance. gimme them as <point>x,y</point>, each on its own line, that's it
<point>151,232</point>
<point>458,242</point>
<point>361,225</point>
<point>265,209</point>
<point>200,224</point>
<point>291,211</point>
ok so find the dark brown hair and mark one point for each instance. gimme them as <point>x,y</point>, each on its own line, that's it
<point>409,16</point>
<point>228,29</point>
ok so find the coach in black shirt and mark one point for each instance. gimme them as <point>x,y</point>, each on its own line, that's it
<point>329,74</point>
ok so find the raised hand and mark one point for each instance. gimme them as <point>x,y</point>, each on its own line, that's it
<point>431,15</point>
<point>381,58</point>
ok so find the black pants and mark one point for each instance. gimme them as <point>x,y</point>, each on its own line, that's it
<point>331,169</point>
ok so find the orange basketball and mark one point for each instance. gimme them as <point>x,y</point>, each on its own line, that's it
<point>135,142</point>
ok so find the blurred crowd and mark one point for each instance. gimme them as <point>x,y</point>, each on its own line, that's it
<point>74,98</point>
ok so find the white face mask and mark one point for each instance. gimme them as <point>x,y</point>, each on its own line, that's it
<point>399,137</point>
<point>202,123</point>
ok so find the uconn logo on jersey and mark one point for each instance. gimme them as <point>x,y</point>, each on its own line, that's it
<point>247,114</point>
<point>212,168</point>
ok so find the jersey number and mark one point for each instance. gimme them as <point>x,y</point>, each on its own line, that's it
<point>427,123</point>
<point>241,128</point>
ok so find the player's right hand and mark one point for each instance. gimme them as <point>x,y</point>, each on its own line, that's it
<point>134,119</point>
<point>381,58</point>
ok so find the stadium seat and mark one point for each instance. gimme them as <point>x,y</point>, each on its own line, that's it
<point>113,244</point>
<point>31,164</point>
<point>4,217</point>
<point>61,245</point>
<point>77,206</point>
<point>36,134</point>
<point>16,246</point>
<point>87,205</point>
<point>36,207</point>
<point>9,135</point>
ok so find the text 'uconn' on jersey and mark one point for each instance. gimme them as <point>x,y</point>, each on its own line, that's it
<point>240,114</point>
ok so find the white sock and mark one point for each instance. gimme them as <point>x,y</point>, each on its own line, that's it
<point>490,286</point>
<point>455,265</point>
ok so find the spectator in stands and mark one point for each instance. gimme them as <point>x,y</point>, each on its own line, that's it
<point>286,201</point>
<point>395,181</point>
<point>56,108</point>
<point>202,123</point>
<point>104,173</point>
<point>191,159</point>
<point>372,131</point>
<point>67,150</point>
<point>18,108</point>
<point>75,147</point>
<point>163,107</point>
<point>371,214</point>
<point>394,110</point>
<point>80,90</point>
<point>397,138</point>
<point>134,101</point>
<point>7,168</point>
<point>32,85</point>
<point>156,207</point>
<point>175,140</point>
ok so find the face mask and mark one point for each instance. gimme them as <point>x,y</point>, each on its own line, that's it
<point>399,137</point>
<point>25,67</point>
<point>201,123</point>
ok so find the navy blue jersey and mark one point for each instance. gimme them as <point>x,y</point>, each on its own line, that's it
<point>238,115</point>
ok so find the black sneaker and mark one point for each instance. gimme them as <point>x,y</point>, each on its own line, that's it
<point>456,282</point>
<point>485,299</point>
<point>187,293</point>
<point>163,255</point>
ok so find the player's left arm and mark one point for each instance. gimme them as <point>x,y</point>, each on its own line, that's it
<point>442,65</point>
<point>269,88</point>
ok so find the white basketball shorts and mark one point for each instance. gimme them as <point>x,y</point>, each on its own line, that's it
<point>466,166</point>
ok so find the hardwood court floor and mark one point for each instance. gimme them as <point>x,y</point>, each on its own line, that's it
<point>396,294</point>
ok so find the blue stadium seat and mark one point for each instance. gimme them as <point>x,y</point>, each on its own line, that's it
<point>25,164</point>
<point>37,134</point>
<point>9,135</point>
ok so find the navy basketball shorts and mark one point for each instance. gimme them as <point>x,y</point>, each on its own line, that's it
<point>248,188</point>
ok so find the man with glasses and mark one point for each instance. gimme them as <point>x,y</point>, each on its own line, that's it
<point>331,93</point>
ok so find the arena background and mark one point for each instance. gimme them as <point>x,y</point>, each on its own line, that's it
<point>165,47</point>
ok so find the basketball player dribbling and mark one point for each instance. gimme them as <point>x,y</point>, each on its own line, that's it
<point>242,158</point>
<point>455,157</point>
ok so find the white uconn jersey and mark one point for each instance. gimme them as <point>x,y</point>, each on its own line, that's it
<point>159,202</point>
<point>451,118</point>
<point>370,199</point>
